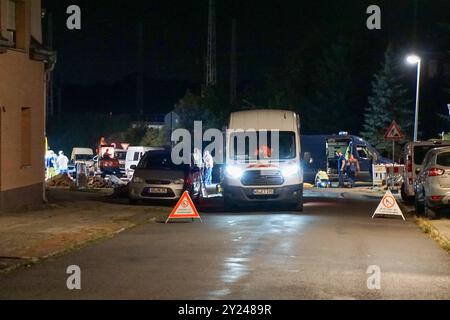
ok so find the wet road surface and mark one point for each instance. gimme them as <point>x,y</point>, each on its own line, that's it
<point>322,253</point>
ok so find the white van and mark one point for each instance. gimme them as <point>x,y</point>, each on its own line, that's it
<point>134,155</point>
<point>84,156</point>
<point>258,171</point>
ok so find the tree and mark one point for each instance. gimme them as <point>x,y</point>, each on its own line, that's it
<point>210,109</point>
<point>155,138</point>
<point>334,97</point>
<point>389,101</point>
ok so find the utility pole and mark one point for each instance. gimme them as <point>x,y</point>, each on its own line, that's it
<point>233,72</point>
<point>211,61</point>
<point>140,72</point>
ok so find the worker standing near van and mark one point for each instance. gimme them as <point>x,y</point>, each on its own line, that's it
<point>209,165</point>
<point>352,170</point>
<point>341,163</point>
<point>63,163</point>
<point>197,158</point>
<point>50,164</point>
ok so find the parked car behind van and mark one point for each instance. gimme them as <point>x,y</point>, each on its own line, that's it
<point>413,156</point>
<point>82,155</point>
<point>157,177</point>
<point>432,187</point>
<point>134,155</point>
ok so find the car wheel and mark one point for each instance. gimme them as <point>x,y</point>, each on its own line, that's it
<point>299,204</point>
<point>420,209</point>
<point>405,197</point>
<point>429,213</point>
<point>228,204</point>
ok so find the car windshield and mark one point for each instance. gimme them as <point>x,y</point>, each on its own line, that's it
<point>443,159</point>
<point>420,152</point>
<point>261,148</point>
<point>83,157</point>
<point>158,161</point>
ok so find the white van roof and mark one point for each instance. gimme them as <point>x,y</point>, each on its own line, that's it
<point>282,120</point>
<point>88,151</point>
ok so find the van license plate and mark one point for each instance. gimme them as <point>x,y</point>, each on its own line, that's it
<point>263,192</point>
<point>157,190</point>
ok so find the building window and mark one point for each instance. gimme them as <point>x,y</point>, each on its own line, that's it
<point>11,22</point>
<point>16,23</point>
<point>25,137</point>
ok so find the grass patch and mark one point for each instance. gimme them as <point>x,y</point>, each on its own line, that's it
<point>433,233</point>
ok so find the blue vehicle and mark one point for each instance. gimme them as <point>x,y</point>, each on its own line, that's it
<point>320,154</point>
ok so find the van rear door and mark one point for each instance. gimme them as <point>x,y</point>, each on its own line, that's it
<point>365,157</point>
<point>333,145</point>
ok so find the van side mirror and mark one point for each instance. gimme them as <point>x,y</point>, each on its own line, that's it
<point>133,167</point>
<point>307,158</point>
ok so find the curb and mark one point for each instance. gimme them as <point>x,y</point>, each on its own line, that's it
<point>427,227</point>
<point>26,262</point>
<point>433,232</point>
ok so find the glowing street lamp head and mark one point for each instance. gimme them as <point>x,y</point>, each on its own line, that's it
<point>413,59</point>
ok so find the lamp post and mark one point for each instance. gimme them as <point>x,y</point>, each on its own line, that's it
<point>413,59</point>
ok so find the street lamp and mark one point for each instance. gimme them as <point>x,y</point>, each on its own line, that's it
<point>413,59</point>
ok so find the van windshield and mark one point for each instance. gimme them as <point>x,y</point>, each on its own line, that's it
<point>248,146</point>
<point>121,155</point>
<point>420,152</point>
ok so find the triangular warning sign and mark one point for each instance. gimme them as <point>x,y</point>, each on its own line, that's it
<point>394,132</point>
<point>388,206</point>
<point>185,209</point>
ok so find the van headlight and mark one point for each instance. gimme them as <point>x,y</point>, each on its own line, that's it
<point>234,172</point>
<point>138,180</point>
<point>290,171</point>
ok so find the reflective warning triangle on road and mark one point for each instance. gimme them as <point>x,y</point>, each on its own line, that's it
<point>388,207</point>
<point>394,132</point>
<point>185,209</point>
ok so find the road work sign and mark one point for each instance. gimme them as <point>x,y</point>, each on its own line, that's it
<point>388,206</point>
<point>394,132</point>
<point>185,209</point>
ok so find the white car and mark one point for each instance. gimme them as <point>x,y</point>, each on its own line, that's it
<point>432,186</point>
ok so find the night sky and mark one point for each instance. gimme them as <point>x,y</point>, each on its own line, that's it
<point>102,57</point>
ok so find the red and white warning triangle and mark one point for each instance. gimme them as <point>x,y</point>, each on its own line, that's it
<point>388,207</point>
<point>185,209</point>
<point>394,132</point>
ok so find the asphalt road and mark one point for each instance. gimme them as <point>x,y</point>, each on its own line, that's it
<point>323,253</point>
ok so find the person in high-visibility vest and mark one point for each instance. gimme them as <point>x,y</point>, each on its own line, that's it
<point>352,170</point>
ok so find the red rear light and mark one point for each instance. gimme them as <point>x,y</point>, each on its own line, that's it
<point>437,198</point>
<point>188,181</point>
<point>434,172</point>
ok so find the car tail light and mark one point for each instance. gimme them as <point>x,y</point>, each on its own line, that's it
<point>436,198</point>
<point>434,172</point>
<point>188,181</point>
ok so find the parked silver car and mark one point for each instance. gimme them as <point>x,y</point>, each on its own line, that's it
<point>157,177</point>
<point>413,156</point>
<point>432,186</point>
